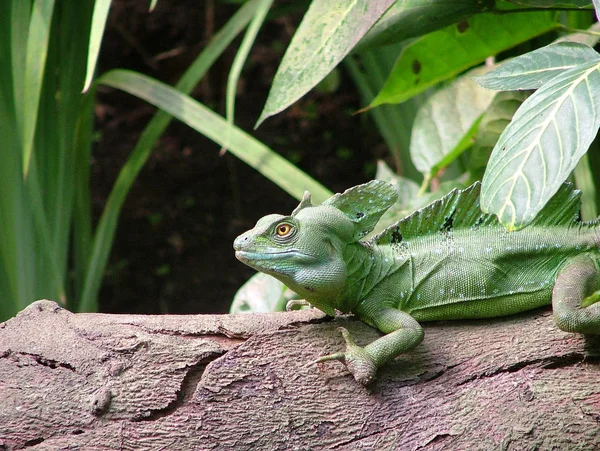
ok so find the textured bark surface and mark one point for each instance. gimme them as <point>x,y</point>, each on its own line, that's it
<point>93,381</point>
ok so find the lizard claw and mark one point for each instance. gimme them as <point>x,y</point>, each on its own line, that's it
<point>355,358</point>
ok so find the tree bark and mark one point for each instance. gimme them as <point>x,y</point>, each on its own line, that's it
<point>96,381</point>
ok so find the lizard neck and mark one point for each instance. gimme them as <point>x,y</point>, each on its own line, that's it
<point>374,272</point>
<point>360,259</point>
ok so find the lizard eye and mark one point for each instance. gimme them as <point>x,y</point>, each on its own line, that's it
<point>284,230</point>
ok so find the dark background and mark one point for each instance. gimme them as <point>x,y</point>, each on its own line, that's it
<point>173,247</point>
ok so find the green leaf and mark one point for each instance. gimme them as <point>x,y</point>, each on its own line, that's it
<point>411,18</point>
<point>448,52</point>
<point>533,69</point>
<point>240,58</point>
<point>542,145</point>
<point>369,69</point>
<point>444,125</point>
<point>407,189</point>
<point>329,30</point>
<point>584,178</point>
<point>35,62</point>
<point>99,16</point>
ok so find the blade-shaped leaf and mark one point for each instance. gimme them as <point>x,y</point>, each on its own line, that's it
<point>448,52</point>
<point>241,56</point>
<point>411,18</point>
<point>99,16</point>
<point>542,145</point>
<point>445,121</point>
<point>37,52</point>
<point>597,8</point>
<point>533,69</point>
<point>329,30</point>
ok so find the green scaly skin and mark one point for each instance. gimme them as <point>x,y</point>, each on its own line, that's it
<point>446,261</point>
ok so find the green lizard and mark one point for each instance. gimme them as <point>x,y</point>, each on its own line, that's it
<point>445,261</point>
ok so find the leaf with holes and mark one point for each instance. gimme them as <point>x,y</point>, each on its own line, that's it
<point>446,53</point>
<point>538,150</point>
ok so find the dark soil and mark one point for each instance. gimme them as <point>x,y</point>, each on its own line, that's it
<point>173,248</point>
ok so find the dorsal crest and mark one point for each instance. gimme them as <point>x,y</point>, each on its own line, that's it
<point>459,209</point>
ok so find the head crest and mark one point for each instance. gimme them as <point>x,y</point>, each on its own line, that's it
<point>304,203</point>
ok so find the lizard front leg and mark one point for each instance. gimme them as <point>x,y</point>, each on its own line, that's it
<point>575,296</point>
<point>403,334</point>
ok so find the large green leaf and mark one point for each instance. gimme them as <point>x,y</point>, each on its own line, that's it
<point>542,145</point>
<point>329,30</point>
<point>445,53</point>
<point>412,18</point>
<point>533,69</point>
<point>445,123</point>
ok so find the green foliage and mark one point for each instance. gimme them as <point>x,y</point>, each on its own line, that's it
<point>544,142</point>
<point>441,135</point>
<point>329,30</point>
<point>44,134</point>
<point>213,126</point>
<point>446,124</point>
<point>446,53</point>
<point>533,142</point>
<point>540,147</point>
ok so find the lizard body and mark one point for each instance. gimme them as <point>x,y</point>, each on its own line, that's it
<point>446,261</point>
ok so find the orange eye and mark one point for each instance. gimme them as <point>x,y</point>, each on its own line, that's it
<point>284,229</point>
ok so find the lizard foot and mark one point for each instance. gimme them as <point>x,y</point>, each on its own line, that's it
<point>355,358</point>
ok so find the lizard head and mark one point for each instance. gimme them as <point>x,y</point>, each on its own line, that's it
<point>305,250</point>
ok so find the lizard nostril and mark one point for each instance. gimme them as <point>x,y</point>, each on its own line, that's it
<point>240,241</point>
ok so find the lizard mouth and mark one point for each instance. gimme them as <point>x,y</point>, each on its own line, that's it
<point>248,256</point>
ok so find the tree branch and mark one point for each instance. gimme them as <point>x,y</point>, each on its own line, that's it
<point>241,382</point>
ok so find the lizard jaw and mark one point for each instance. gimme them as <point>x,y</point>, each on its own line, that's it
<point>248,256</point>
